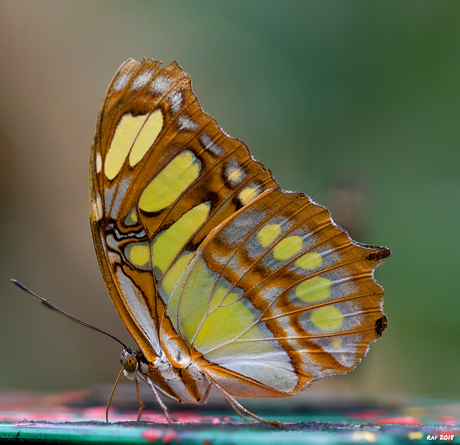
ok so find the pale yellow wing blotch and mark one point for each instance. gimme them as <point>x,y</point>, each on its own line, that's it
<point>280,295</point>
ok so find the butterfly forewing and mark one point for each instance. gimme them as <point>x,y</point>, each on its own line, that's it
<point>163,175</point>
<point>202,251</point>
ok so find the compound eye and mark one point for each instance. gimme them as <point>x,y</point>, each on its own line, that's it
<point>128,361</point>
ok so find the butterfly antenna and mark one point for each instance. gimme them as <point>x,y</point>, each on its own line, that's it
<point>60,311</point>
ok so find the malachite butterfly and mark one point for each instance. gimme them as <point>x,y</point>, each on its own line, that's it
<point>224,280</point>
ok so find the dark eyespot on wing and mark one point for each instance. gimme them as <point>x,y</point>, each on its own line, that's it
<point>381,324</point>
<point>380,254</point>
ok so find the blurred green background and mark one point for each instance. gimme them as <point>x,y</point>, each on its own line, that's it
<point>355,103</point>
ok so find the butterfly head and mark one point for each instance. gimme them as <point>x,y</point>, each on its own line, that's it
<point>130,362</point>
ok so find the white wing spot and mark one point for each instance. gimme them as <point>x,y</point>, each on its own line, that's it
<point>98,163</point>
<point>160,85</point>
<point>121,82</point>
<point>176,100</point>
<point>142,80</point>
<point>97,208</point>
<point>209,145</point>
<point>186,123</point>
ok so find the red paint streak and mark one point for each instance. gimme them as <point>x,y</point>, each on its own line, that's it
<point>447,419</point>
<point>98,413</point>
<point>151,434</point>
<point>369,414</point>
<point>403,420</point>
<point>170,436</point>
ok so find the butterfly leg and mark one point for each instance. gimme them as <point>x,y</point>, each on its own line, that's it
<point>240,409</point>
<point>160,402</point>
<point>205,397</point>
<point>141,405</point>
<point>237,411</point>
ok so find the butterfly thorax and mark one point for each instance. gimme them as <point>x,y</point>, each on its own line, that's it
<point>182,382</point>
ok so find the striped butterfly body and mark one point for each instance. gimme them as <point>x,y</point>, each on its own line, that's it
<point>224,280</point>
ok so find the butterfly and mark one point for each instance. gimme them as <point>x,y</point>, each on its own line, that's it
<point>224,280</point>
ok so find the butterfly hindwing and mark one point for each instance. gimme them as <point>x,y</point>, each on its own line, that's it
<point>278,296</point>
